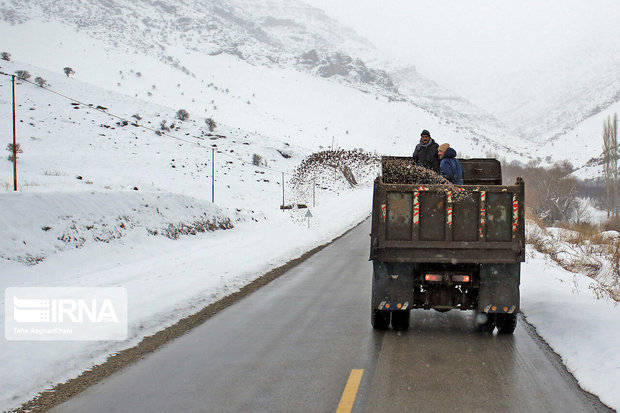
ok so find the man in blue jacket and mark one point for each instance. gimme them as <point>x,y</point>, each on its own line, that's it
<point>450,167</point>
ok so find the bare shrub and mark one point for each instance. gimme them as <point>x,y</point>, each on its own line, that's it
<point>211,124</point>
<point>614,249</point>
<point>202,225</point>
<point>14,151</point>
<point>50,172</point>
<point>40,81</point>
<point>612,224</point>
<point>581,248</point>
<point>182,114</point>
<point>539,239</point>
<point>23,74</point>
<point>257,160</point>
<point>6,56</point>
<point>550,193</point>
<point>68,71</point>
<point>579,232</point>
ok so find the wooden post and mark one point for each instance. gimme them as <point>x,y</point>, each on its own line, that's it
<point>213,175</point>
<point>282,191</point>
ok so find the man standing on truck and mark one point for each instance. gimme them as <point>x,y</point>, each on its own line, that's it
<point>451,168</point>
<point>425,153</point>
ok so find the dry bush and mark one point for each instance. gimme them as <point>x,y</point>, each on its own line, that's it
<point>614,249</point>
<point>551,193</point>
<point>580,233</point>
<point>539,238</point>
<point>581,248</point>
<point>257,160</point>
<point>612,224</point>
<point>182,114</point>
<point>52,172</point>
<point>531,215</point>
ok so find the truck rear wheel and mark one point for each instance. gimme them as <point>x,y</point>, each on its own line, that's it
<point>506,323</point>
<point>380,319</point>
<point>400,320</point>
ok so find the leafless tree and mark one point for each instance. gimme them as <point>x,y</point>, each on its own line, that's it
<point>581,212</point>
<point>14,151</point>
<point>40,81</point>
<point>551,193</point>
<point>211,124</point>
<point>182,114</point>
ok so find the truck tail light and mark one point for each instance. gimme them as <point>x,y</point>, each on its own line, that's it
<point>461,278</point>
<point>433,277</point>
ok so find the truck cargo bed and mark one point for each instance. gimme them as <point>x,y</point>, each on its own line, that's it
<point>435,223</point>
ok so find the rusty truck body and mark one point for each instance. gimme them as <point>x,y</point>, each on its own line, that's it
<point>444,247</point>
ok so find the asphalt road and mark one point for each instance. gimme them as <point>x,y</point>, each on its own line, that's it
<point>292,345</point>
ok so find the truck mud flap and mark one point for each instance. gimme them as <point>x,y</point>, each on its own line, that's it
<point>392,286</point>
<point>499,288</point>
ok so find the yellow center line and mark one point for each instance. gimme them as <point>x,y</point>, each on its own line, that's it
<point>350,391</point>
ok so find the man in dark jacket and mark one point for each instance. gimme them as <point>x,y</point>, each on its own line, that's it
<point>425,153</point>
<point>451,168</point>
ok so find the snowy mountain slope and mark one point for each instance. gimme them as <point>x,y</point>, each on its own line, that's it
<point>82,163</point>
<point>582,144</point>
<point>439,100</point>
<point>268,33</point>
<point>278,35</point>
<point>578,91</point>
<point>540,68</point>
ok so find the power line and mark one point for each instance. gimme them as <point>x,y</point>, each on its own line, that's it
<point>136,124</point>
<point>102,110</point>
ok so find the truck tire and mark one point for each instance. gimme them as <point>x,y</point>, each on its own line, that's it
<point>506,323</point>
<point>380,319</point>
<point>400,320</point>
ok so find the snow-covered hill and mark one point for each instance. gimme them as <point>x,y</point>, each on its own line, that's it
<point>107,167</point>
<point>541,68</point>
<point>135,39</point>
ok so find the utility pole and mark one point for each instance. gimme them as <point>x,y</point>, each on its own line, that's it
<point>14,140</point>
<point>313,192</point>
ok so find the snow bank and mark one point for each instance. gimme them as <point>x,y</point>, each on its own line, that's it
<point>166,279</point>
<point>36,225</point>
<point>581,327</point>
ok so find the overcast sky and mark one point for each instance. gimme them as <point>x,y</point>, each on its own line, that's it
<point>526,48</point>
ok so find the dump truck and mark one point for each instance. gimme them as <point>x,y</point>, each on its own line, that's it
<point>446,247</point>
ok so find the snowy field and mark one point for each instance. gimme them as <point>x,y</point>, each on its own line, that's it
<point>583,329</point>
<point>166,280</point>
<point>169,279</point>
<point>107,204</point>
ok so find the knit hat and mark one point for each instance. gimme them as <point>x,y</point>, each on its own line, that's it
<point>425,132</point>
<point>443,147</point>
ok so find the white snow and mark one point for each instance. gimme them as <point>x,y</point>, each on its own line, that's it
<point>168,279</point>
<point>97,230</point>
<point>582,328</point>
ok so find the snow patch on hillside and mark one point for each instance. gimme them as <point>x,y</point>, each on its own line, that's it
<point>36,225</point>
